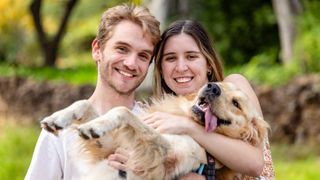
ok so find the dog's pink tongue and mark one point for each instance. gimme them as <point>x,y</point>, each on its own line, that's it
<point>210,121</point>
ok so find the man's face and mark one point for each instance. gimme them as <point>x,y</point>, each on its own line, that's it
<point>124,61</point>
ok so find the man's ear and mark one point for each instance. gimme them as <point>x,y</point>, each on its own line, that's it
<point>96,53</point>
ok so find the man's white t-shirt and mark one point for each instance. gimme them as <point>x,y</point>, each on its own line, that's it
<point>51,159</point>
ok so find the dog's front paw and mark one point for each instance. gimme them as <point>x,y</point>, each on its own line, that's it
<point>55,122</point>
<point>90,131</point>
<point>78,111</point>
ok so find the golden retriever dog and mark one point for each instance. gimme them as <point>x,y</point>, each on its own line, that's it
<point>219,107</point>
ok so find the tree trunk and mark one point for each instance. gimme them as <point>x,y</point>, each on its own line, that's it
<point>50,46</point>
<point>286,11</point>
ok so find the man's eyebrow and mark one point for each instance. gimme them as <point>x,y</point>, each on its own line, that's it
<point>122,43</point>
<point>150,52</point>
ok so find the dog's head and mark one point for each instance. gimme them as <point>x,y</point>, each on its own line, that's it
<point>224,108</point>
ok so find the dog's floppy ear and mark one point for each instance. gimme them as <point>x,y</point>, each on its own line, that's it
<point>259,130</point>
<point>170,163</point>
<point>256,131</point>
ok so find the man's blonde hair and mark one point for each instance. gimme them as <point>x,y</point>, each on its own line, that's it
<point>137,14</point>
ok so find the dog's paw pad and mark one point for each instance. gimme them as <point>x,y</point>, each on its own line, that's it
<point>83,135</point>
<point>47,127</point>
<point>94,134</point>
<point>88,133</point>
<point>57,127</point>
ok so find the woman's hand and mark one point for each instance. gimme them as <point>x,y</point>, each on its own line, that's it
<point>119,159</point>
<point>168,123</point>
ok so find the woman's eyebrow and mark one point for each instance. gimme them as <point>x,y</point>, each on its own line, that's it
<point>196,52</point>
<point>168,53</point>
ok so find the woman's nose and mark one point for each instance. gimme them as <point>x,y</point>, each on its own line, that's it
<point>181,65</point>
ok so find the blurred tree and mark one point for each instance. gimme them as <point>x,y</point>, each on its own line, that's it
<point>286,12</point>
<point>15,30</point>
<point>239,30</point>
<point>50,45</point>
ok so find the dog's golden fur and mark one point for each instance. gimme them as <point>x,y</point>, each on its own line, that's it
<point>159,156</point>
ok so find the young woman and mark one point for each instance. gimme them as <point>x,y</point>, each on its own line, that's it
<point>184,61</point>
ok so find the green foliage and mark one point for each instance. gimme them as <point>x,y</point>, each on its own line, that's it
<point>239,30</point>
<point>307,45</point>
<point>17,43</point>
<point>263,70</point>
<point>16,147</point>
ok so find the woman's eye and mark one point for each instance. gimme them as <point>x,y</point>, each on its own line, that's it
<point>192,57</point>
<point>170,58</point>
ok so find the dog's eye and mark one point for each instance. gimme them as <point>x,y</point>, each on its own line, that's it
<point>236,103</point>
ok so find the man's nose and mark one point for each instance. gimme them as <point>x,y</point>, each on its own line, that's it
<point>131,61</point>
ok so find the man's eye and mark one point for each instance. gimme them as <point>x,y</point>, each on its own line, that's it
<point>144,57</point>
<point>121,49</point>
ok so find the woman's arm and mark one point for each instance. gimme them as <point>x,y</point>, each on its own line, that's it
<point>235,154</point>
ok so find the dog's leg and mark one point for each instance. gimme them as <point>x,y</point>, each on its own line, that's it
<point>104,124</point>
<point>78,111</point>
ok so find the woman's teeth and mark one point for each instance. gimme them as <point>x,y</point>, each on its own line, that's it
<point>184,79</point>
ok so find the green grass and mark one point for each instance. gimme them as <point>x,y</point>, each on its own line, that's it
<point>85,74</point>
<point>16,147</point>
<point>297,162</point>
<point>307,169</point>
<point>17,143</point>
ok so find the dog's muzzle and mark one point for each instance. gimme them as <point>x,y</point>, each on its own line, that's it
<point>211,91</point>
<point>203,108</point>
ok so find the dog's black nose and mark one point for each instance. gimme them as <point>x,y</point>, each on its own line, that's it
<point>213,89</point>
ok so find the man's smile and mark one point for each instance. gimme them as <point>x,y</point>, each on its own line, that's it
<point>126,74</point>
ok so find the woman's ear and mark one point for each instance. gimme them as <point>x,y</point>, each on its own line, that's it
<point>96,53</point>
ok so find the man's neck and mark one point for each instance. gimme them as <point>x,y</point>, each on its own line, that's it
<point>105,99</point>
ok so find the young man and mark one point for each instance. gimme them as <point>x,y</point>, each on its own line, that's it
<point>122,51</point>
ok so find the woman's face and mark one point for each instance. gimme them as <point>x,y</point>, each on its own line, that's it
<point>184,67</point>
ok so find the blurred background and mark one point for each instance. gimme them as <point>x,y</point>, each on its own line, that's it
<point>46,64</point>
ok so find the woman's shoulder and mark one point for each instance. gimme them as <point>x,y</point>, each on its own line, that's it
<point>240,81</point>
<point>236,78</point>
